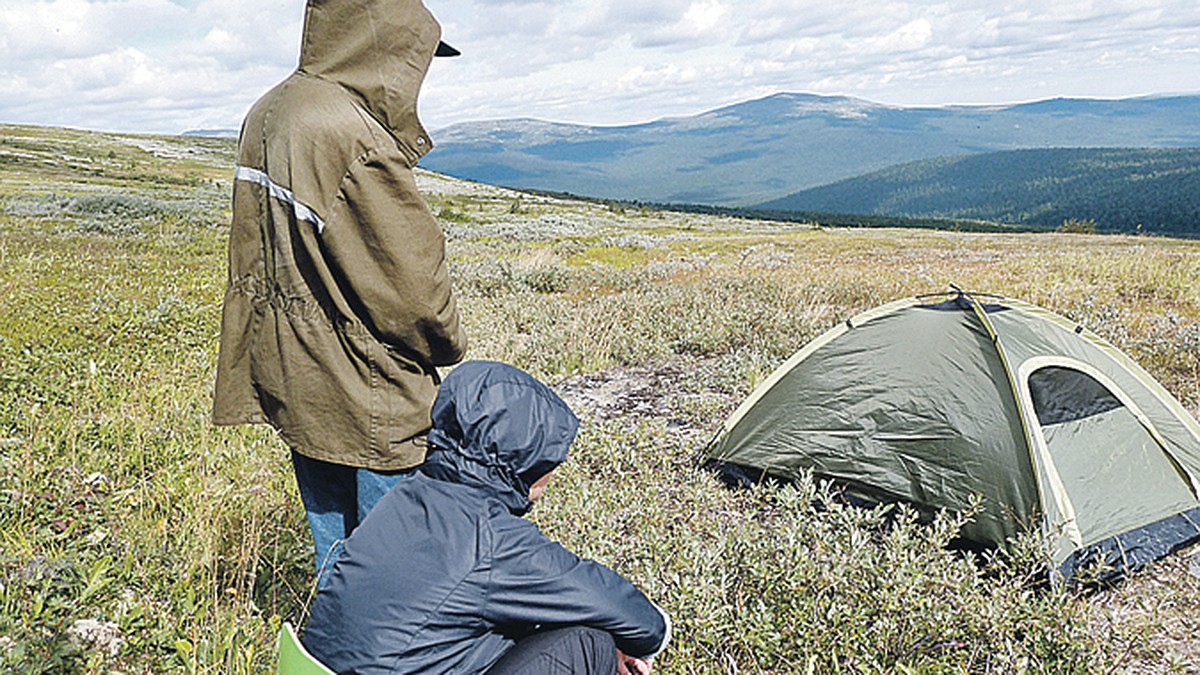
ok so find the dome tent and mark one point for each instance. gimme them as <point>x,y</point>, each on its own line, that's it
<point>935,399</point>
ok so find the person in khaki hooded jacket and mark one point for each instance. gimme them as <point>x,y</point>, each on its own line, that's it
<point>339,308</point>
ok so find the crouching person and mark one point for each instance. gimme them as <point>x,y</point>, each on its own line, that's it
<point>444,575</point>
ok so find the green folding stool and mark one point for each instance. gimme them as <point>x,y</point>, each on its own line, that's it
<point>294,659</point>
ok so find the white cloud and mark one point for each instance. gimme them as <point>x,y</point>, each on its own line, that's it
<point>794,19</point>
<point>35,31</point>
<point>141,65</point>
<point>163,65</point>
<point>240,32</point>
<point>701,21</point>
<point>888,50</point>
<point>910,37</point>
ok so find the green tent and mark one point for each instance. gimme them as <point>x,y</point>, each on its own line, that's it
<point>932,400</point>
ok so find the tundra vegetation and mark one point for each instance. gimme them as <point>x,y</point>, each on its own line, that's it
<point>135,537</point>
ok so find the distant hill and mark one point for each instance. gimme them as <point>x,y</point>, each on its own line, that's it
<point>765,149</point>
<point>1120,189</point>
<point>213,133</point>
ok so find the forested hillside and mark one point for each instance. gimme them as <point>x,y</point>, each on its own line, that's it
<point>1149,190</point>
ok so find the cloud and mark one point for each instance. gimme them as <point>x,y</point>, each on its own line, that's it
<point>241,32</point>
<point>903,52</point>
<point>168,65</point>
<point>793,19</point>
<point>37,31</point>
<point>141,65</point>
<point>912,36</point>
<point>697,22</point>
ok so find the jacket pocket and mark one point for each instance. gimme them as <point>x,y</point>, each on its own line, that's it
<point>404,394</point>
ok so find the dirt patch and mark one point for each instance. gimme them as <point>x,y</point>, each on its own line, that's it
<point>669,393</point>
<point>642,391</point>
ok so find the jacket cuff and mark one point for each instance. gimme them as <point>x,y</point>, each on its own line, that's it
<point>666,634</point>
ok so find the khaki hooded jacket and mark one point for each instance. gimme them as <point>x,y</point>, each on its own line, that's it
<point>339,307</point>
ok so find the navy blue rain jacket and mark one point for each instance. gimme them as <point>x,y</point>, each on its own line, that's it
<point>443,576</point>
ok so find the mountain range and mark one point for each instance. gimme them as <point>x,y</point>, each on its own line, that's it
<point>763,150</point>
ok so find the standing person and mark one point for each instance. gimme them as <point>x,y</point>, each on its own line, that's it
<point>339,308</point>
<point>445,576</point>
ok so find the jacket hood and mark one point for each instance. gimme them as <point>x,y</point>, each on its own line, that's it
<point>497,428</point>
<point>377,49</point>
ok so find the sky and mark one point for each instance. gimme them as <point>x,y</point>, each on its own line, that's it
<point>168,66</point>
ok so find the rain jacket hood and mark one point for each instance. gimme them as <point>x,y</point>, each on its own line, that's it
<point>498,429</point>
<point>443,576</point>
<point>379,50</point>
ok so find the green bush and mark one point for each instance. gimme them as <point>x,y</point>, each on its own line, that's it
<point>1077,226</point>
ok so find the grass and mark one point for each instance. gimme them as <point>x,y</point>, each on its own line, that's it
<point>135,537</point>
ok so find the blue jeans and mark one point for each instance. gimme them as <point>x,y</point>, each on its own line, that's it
<point>336,499</point>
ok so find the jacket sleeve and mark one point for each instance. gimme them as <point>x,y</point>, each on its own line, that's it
<point>535,581</point>
<point>389,256</point>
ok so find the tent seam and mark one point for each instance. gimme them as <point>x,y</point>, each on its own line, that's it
<point>1061,499</point>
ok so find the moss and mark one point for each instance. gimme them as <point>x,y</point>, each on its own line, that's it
<point>620,258</point>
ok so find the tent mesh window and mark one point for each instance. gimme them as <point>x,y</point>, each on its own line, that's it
<point>1063,395</point>
<point>1117,476</point>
